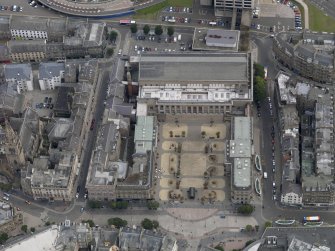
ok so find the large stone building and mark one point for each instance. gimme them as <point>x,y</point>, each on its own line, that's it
<point>32,28</point>
<point>109,176</point>
<point>194,83</point>
<point>240,155</point>
<point>50,75</point>
<point>19,76</point>
<point>234,12</point>
<point>308,54</point>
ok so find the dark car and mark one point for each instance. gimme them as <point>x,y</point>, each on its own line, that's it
<point>49,100</point>
<point>78,189</point>
<point>51,106</point>
<point>92,124</point>
<point>46,99</point>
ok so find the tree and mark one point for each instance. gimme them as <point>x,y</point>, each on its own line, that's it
<point>117,222</point>
<point>259,88</point>
<point>248,228</point>
<point>112,36</point>
<point>170,31</point>
<point>110,52</point>
<point>119,204</point>
<point>155,224</point>
<point>94,204</point>
<point>259,70</point>
<point>3,238</point>
<point>47,223</point>
<point>133,28</point>
<point>158,30</point>
<point>152,204</point>
<point>89,222</point>
<point>267,224</point>
<point>147,224</point>
<point>24,228</point>
<point>32,229</point>
<point>219,248</point>
<point>146,29</point>
<point>245,209</point>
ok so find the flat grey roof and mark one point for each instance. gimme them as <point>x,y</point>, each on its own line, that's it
<point>18,71</point>
<point>194,67</point>
<point>50,70</point>
<point>240,150</point>
<point>224,37</point>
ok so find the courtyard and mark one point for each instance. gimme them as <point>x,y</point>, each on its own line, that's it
<point>191,155</point>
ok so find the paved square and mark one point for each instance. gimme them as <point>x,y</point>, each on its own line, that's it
<point>191,154</point>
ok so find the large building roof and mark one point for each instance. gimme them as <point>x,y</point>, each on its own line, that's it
<point>194,67</point>
<point>18,71</point>
<point>240,151</point>
<point>50,70</point>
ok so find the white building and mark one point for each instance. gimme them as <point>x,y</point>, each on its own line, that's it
<point>28,28</point>
<point>291,194</point>
<point>20,76</point>
<point>50,75</point>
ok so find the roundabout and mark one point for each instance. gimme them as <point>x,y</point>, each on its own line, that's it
<point>96,8</point>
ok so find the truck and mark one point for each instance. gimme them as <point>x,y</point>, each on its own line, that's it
<point>265,175</point>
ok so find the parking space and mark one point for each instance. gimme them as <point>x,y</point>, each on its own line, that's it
<point>36,10</point>
<point>43,102</point>
<point>281,15</point>
<point>163,43</point>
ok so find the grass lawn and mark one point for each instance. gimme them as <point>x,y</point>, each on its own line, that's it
<point>318,21</point>
<point>152,12</point>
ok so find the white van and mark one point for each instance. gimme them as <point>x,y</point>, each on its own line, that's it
<point>265,175</point>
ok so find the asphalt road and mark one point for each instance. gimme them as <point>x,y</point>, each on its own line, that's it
<point>271,209</point>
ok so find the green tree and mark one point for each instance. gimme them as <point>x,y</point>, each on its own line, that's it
<point>155,224</point>
<point>47,223</point>
<point>112,36</point>
<point>248,228</point>
<point>152,204</point>
<point>259,88</point>
<point>158,30</point>
<point>32,229</point>
<point>110,52</point>
<point>3,238</point>
<point>147,224</point>
<point>94,204</point>
<point>219,248</point>
<point>170,31</point>
<point>146,29</point>
<point>133,28</point>
<point>267,224</point>
<point>89,222</point>
<point>117,222</point>
<point>24,228</point>
<point>259,70</point>
<point>119,204</point>
<point>246,209</point>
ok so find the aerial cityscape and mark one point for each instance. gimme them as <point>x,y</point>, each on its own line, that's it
<point>167,125</point>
